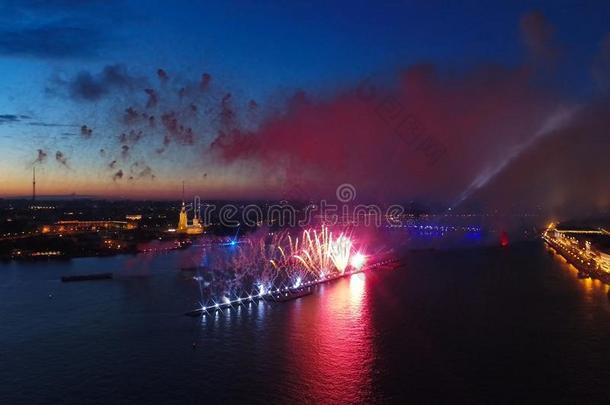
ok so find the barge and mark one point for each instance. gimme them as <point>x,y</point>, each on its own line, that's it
<point>289,294</point>
<point>86,277</point>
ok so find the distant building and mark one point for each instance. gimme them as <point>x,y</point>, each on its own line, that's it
<point>68,227</point>
<point>195,228</point>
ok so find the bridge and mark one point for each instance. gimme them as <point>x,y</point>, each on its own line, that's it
<point>599,231</point>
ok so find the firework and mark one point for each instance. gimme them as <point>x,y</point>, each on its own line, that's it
<point>358,260</point>
<point>322,254</point>
<point>277,261</point>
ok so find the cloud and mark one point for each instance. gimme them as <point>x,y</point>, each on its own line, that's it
<point>153,98</point>
<point>146,173</point>
<point>159,112</point>
<point>538,35</point>
<point>92,87</point>
<point>61,158</point>
<point>42,156</point>
<point>86,132</point>
<point>50,41</point>
<point>58,29</point>
<point>162,75</point>
<point>428,135</point>
<point>176,131</point>
<point>141,170</point>
<point>27,120</point>
<point>205,81</point>
<point>12,118</point>
<point>50,124</point>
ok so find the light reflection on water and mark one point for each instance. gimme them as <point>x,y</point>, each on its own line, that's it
<point>330,341</point>
<point>592,289</point>
<point>324,339</point>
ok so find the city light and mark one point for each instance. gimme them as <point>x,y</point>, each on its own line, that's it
<point>588,260</point>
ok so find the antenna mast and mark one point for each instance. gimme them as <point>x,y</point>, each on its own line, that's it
<point>33,183</point>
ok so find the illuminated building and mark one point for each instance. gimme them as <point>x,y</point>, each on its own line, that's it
<point>182,219</point>
<point>68,227</point>
<point>195,228</point>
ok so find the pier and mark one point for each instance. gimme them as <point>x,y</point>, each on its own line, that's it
<point>588,261</point>
<point>283,294</point>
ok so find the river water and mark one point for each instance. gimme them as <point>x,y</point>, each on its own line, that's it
<point>478,325</point>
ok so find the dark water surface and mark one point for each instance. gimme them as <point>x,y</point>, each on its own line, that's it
<point>485,325</point>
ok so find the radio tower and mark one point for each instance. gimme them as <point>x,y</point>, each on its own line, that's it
<point>33,183</point>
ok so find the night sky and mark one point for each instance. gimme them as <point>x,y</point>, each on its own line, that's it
<point>477,103</point>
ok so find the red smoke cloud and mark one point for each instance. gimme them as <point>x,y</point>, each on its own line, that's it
<point>428,135</point>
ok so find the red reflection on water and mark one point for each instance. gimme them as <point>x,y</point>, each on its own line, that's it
<point>331,343</point>
<point>504,239</point>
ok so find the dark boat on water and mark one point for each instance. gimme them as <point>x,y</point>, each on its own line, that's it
<point>87,277</point>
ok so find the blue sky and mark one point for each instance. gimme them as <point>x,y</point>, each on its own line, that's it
<point>257,50</point>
